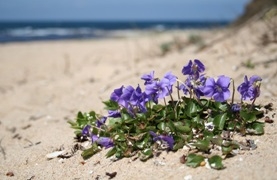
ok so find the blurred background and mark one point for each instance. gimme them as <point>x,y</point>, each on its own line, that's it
<point>30,20</point>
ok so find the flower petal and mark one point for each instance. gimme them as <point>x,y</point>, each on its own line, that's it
<point>210,82</point>
<point>200,65</point>
<point>105,142</point>
<point>223,81</point>
<point>187,69</point>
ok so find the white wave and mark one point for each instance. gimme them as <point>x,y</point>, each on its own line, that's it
<point>42,32</point>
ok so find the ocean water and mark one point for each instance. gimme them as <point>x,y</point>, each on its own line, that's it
<point>34,31</point>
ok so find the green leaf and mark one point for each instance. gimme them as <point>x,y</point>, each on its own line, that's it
<point>178,144</point>
<point>228,146</point>
<point>208,134</point>
<point>221,106</point>
<point>197,119</point>
<point>111,105</point>
<point>256,128</point>
<point>141,115</point>
<point>194,160</point>
<point>191,108</point>
<point>86,154</point>
<point>120,137</point>
<point>142,144</point>
<point>217,140</point>
<point>81,120</point>
<point>72,123</point>
<point>171,126</point>
<point>231,125</point>
<point>202,145</point>
<point>93,115</point>
<point>216,162</point>
<point>162,126</point>
<point>205,102</point>
<point>219,121</point>
<point>125,116</point>
<point>183,129</point>
<point>114,121</point>
<point>80,115</point>
<point>146,154</point>
<point>111,152</point>
<point>248,117</point>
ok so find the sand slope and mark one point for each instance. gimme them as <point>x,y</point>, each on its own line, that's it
<point>43,84</point>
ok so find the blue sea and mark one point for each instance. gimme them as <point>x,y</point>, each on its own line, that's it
<point>35,31</point>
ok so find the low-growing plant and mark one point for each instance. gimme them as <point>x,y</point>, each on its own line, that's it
<point>248,64</point>
<point>143,123</point>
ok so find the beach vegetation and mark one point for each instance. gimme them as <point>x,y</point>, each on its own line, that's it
<point>144,120</point>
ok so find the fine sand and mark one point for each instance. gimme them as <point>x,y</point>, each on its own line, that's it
<point>44,84</point>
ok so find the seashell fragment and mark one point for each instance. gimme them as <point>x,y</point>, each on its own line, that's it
<point>54,154</point>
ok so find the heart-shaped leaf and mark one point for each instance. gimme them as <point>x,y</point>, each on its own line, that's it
<point>194,160</point>
<point>216,162</point>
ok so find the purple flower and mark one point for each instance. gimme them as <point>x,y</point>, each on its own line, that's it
<point>193,85</point>
<point>255,79</point>
<point>132,99</point>
<point>105,142</point>
<point>136,100</point>
<point>148,77</point>
<point>126,95</point>
<point>102,141</point>
<point>114,113</point>
<point>101,121</point>
<point>86,130</point>
<point>171,78</point>
<point>194,68</point>
<point>184,88</point>
<point>135,96</point>
<point>94,138</point>
<point>250,89</point>
<point>236,108</point>
<point>159,89</point>
<point>116,95</point>
<point>168,140</point>
<point>218,90</point>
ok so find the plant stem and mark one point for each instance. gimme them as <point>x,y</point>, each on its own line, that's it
<point>170,94</point>
<point>233,93</point>
<point>164,102</point>
<point>178,91</point>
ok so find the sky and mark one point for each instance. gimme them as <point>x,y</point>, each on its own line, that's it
<point>59,10</point>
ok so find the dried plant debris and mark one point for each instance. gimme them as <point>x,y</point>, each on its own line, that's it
<point>54,154</point>
<point>36,117</point>
<point>111,175</point>
<point>31,143</point>
<point>269,106</point>
<point>183,159</point>
<point>26,127</point>
<point>268,120</point>
<point>10,174</point>
<point>32,177</point>
<point>17,136</point>
<point>2,150</point>
<point>66,153</point>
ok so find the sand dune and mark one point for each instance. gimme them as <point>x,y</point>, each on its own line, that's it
<point>43,84</point>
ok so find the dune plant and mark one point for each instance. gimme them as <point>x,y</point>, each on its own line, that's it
<point>144,121</point>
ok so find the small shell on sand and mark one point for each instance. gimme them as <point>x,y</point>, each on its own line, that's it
<point>54,154</point>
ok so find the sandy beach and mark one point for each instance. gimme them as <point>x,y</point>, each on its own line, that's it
<point>43,84</point>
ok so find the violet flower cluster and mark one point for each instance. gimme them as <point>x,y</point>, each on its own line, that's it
<point>199,85</point>
<point>196,84</point>
<point>250,89</point>
<point>102,141</point>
